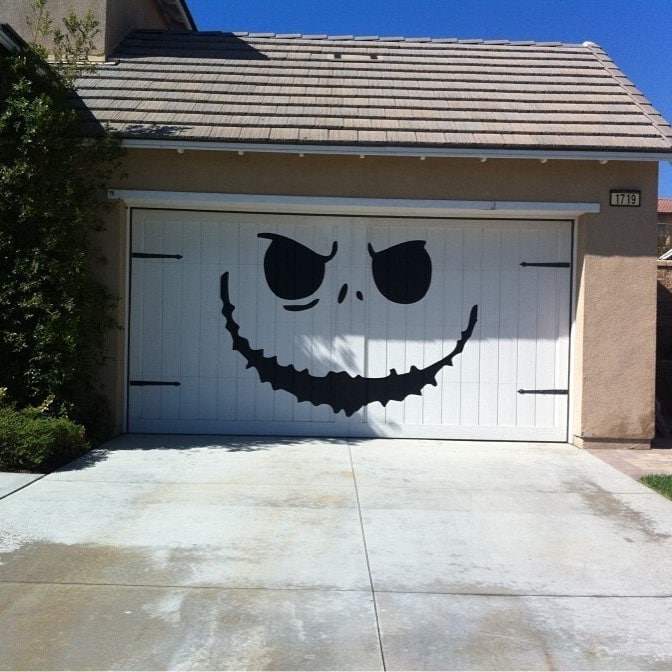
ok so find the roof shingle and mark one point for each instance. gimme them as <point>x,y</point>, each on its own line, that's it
<point>235,87</point>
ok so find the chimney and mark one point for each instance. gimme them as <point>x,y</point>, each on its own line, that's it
<point>116,18</point>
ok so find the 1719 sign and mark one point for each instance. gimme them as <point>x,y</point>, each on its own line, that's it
<point>625,198</point>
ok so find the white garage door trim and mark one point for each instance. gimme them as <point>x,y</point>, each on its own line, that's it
<point>426,209</point>
<point>391,207</point>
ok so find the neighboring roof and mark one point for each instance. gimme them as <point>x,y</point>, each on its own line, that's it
<point>665,205</point>
<point>361,91</point>
<point>9,40</point>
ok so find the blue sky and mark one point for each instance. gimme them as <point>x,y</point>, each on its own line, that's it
<point>637,35</point>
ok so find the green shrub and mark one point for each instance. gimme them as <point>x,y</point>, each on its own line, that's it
<point>32,441</point>
<point>54,313</point>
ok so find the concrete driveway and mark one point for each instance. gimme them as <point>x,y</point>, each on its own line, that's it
<point>230,553</point>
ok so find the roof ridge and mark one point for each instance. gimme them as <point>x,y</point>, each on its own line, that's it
<point>420,39</point>
<point>362,38</point>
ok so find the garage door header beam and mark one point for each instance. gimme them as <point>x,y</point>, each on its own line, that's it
<point>391,207</point>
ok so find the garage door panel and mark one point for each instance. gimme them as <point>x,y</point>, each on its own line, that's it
<point>191,242</point>
<point>228,360</point>
<point>544,411</point>
<point>283,406</point>
<point>489,319</point>
<point>172,238</point>
<point>153,320</point>
<point>151,403</point>
<point>210,320</point>
<point>507,404</point>
<point>432,412</point>
<point>470,359</point>
<point>152,237</point>
<point>377,345</point>
<point>469,393</point>
<point>302,412</point>
<point>135,318</point>
<point>413,409</point>
<point>546,331</point>
<point>170,401</point>
<point>229,243</point>
<point>526,380</point>
<point>246,396</point>
<point>528,301</point>
<point>226,399</point>
<point>509,313</point>
<point>451,400</point>
<point>207,398</point>
<point>453,247</point>
<point>169,341</point>
<point>210,232</point>
<point>351,320</point>
<point>190,318</point>
<point>487,403</point>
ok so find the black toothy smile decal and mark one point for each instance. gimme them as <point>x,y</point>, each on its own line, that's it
<point>402,274</point>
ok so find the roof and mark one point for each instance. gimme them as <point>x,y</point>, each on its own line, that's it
<point>665,205</point>
<point>373,91</point>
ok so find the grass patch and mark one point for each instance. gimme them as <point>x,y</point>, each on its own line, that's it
<point>661,483</point>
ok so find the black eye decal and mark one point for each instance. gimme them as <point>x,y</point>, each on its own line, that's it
<point>403,272</point>
<point>293,271</point>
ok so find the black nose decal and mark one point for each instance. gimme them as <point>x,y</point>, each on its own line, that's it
<point>402,273</point>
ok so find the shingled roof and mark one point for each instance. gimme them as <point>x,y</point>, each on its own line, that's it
<point>665,205</point>
<point>361,91</point>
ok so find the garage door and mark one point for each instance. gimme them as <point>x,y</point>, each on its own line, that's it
<point>349,326</point>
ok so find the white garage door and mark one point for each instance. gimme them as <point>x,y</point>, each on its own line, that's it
<point>349,326</point>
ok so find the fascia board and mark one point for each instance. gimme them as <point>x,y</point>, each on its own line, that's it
<point>418,152</point>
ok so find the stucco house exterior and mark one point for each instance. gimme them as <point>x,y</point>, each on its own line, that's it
<point>368,236</point>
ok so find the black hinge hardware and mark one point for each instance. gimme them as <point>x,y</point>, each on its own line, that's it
<point>145,383</point>
<point>549,264</point>
<point>147,255</point>
<point>543,391</point>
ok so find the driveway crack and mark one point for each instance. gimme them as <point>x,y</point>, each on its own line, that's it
<point>368,563</point>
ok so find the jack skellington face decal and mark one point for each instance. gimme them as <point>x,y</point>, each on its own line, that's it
<point>294,273</point>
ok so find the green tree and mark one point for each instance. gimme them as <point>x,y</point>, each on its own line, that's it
<point>53,314</point>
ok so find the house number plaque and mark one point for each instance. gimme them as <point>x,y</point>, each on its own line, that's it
<point>625,198</point>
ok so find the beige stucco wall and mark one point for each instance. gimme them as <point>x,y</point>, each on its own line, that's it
<point>116,18</point>
<point>15,13</point>
<point>125,15</point>
<point>614,349</point>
